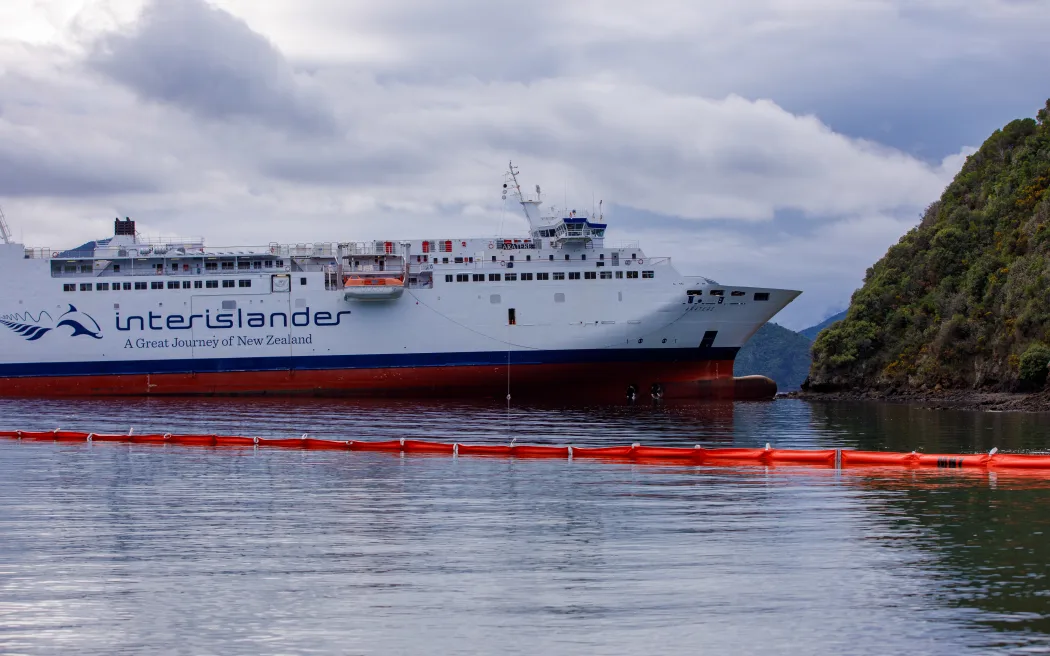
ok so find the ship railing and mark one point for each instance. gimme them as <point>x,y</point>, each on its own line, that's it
<point>168,243</point>
<point>545,264</point>
<point>39,253</point>
<point>372,248</point>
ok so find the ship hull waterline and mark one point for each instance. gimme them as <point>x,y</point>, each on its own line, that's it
<point>578,381</point>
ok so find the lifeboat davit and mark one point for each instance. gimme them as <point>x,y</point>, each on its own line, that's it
<point>372,288</point>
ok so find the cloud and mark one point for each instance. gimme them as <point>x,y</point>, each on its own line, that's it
<point>191,55</point>
<point>714,133</point>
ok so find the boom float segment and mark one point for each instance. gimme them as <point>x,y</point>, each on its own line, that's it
<point>697,455</point>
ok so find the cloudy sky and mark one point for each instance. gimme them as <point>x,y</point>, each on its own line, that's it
<point>767,142</point>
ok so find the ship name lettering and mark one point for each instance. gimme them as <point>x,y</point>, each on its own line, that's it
<point>229,320</point>
<point>513,247</point>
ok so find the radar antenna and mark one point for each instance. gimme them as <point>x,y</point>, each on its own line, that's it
<point>5,232</point>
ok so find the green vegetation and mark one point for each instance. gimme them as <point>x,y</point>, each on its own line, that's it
<point>962,298</point>
<point>812,332</point>
<point>1033,366</point>
<point>775,352</point>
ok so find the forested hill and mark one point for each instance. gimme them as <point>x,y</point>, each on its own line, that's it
<point>812,332</point>
<point>775,352</point>
<point>963,299</point>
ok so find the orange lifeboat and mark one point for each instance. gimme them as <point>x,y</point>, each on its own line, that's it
<point>372,287</point>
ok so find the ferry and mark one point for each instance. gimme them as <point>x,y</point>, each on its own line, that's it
<point>557,312</point>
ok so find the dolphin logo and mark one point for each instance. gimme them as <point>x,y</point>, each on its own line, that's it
<point>79,322</point>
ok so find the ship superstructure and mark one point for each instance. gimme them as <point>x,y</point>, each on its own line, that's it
<point>554,312</point>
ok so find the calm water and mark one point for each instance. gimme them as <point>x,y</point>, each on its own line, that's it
<point>109,548</point>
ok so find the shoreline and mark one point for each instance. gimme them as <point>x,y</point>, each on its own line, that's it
<point>939,400</point>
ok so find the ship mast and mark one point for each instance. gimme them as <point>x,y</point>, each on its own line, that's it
<point>517,191</point>
<point>5,232</point>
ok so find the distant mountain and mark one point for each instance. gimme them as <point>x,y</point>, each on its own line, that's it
<point>778,353</point>
<point>813,331</point>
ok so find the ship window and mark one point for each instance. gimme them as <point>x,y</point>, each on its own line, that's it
<point>512,277</point>
<point>528,258</point>
<point>632,274</point>
<point>116,268</point>
<point>102,287</point>
<point>601,256</point>
<point>280,264</point>
<point>566,256</point>
<point>197,284</point>
<point>241,266</point>
<point>70,269</point>
<point>85,286</point>
<point>211,284</point>
<point>173,284</point>
<point>444,260</point>
<point>127,286</point>
<point>584,256</point>
<point>227,283</point>
<point>140,285</point>
<point>761,296</point>
<point>185,284</point>
<point>738,293</point>
<point>257,264</point>
<point>619,275</point>
<point>551,257</point>
<point>479,277</point>
<point>599,264</point>
<point>471,260</point>
<point>648,274</point>
<point>559,298</point>
<point>494,277</point>
<point>458,260</point>
<point>211,266</point>
<point>462,277</point>
<point>174,266</point>
<point>511,258</point>
<point>558,275</point>
<point>512,318</point>
<point>606,275</point>
<point>156,285</point>
<point>543,276</point>
<point>227,266</point>
<point>448,277</point>
<point>525,276</point>
<point>493,258</point>
<point>244,283</point>
<point>69,288</point>
<point>302,282</point>
<point>633,255</point>
<point>574,275</point>
<point>717,292</point>
<point>494,299</point>
<point>269,264</point>
<point>590,275</point>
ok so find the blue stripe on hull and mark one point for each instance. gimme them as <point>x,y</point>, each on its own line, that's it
<point>384,361</point>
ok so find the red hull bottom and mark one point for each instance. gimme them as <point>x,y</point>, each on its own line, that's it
<point>592,381</point>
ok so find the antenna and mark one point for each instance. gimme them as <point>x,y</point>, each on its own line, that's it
<point>5,232</point>
<point>517,190</point>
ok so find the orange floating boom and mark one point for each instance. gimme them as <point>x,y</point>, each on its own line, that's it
<point>697,455</point>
